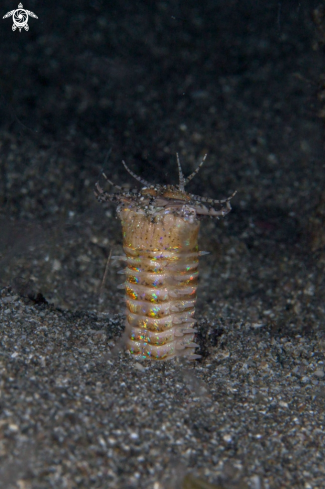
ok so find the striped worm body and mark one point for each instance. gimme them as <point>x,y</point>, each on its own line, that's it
<point>160,240</point>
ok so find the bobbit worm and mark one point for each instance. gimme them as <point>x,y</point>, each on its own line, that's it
<point>160,226</point>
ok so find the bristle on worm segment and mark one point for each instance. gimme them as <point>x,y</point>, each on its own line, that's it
<point>160,239</point>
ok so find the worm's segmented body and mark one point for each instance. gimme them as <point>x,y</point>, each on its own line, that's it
<point>160,240</point>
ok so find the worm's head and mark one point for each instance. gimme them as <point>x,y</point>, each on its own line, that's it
<point>157,200</point>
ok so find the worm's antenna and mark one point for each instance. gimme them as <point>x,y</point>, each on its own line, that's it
<point>141,180</point>
<point>111,183</point>
<point>212,201</point>
<point>181,185</point>
<point>188,179</point>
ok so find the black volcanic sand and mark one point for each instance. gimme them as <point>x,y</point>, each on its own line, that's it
<point>91,84</point>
